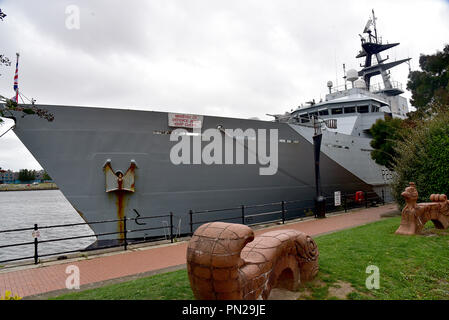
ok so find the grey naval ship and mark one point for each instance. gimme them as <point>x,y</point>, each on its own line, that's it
<point>111,163</point>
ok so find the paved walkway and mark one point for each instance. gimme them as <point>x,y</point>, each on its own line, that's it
<point>52,277</point>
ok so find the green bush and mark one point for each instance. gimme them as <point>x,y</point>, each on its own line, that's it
<point>423,157</point>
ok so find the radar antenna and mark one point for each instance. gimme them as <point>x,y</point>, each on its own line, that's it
<point>371,48</point>
<point>374,25</point>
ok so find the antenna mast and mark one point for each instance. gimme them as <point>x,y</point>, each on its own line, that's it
<point>374,25</point>
<point>372,49</point>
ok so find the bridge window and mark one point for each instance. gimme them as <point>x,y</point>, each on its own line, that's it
<point>350,110</point>
<point>337,111</point>
<point>304,117</point>
<point>363,109</point>
<point>323,112</point>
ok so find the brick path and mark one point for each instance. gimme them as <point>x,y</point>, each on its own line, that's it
<point>46,278</point>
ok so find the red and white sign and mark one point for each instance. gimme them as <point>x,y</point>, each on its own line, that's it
<point>182,120</point>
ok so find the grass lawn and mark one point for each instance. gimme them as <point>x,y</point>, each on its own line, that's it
<point>28,186</point>
<point>411,267</point>
<point>167,286</point>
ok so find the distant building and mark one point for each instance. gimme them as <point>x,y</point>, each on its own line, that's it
<point>39,175</point>
<point>8,176</point>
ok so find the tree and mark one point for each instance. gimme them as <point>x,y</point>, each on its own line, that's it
<point>430,87</point>
<point>3,60</point>
<point>386,133</point>
<point>423,158</point>
<point>46,176</point>
<point>430,96</point>
<point>10,105</point>
<point>2,15</point>
<point>27,175</point>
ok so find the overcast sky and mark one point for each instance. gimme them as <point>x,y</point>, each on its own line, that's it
<point>240,58</point>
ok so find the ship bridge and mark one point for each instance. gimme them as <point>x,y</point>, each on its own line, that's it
<point>352,103</point>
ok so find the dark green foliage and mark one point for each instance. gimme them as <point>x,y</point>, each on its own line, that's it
<point>46,176</point>
<point>430,87</point>
<point>27,175</point>
<point>423,158</point>
<point>31,110</point>
<point>386,133</point>
<point>28,111</point>
<point>3,60</point>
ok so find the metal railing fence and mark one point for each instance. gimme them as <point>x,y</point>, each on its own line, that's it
<point>251,215</point>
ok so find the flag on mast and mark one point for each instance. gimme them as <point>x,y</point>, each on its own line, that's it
<point>16,79</point>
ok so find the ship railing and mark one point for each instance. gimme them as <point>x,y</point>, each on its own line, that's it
<point>124,240</point>
<point>251,215</point>
<point>370,39</point>
<point>341,88</point>
<point>381,86</point>
<point>374,88</point>
<point>282,211</point>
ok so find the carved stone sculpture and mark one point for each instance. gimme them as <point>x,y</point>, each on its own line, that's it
<point>226,262</point>
<point>416,215</point>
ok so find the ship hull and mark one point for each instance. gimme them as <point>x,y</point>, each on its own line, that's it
<point>74,148</point>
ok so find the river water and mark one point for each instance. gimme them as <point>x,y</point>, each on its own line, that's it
<point>22,209</point>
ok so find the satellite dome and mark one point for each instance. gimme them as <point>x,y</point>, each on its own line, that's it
<point>330,84</point>
<point>352,75</point>
<point>360,84</point>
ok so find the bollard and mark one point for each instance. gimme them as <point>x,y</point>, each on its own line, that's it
<point>125,233</point>
<point>36,255</point>
<point>191,222</point>
<point>345,204</point>
<point>171,227</point>
<point>320,207</point>
<point>366,199</point>
<point>283,212</point>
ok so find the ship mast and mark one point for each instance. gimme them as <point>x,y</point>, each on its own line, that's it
<point>374,25</point>
<point>372,47</point>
